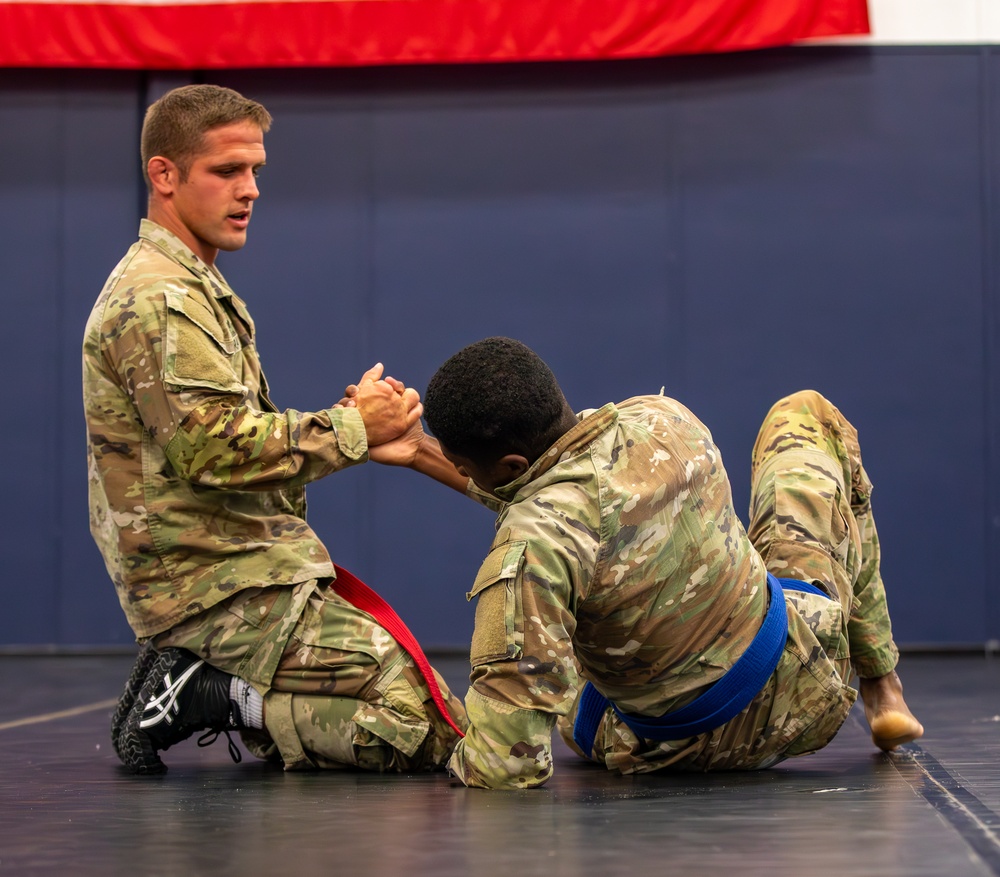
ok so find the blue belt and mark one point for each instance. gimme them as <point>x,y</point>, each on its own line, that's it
<point>724,700</point>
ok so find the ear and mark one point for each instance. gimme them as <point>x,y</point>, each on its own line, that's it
<point>163,174</point>
<point>513,466</point>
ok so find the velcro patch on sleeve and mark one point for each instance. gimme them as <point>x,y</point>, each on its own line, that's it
<point>199,351</point>
<point>496,607</point>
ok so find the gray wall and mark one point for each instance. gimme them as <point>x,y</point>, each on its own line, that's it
<point>729,227</point>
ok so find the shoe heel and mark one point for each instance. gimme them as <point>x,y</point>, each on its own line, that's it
<point>144,660</point>
<point>135,748</point>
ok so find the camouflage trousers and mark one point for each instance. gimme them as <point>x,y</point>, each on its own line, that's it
<point>338,690</point>
<point>810,519</point>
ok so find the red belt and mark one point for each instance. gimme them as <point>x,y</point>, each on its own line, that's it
<point>358,594</point>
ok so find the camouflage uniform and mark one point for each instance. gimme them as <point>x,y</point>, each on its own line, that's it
<point>198,506</point>
<point>619,558</point>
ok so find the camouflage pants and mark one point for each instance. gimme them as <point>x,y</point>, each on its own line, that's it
<point>338,690</point>
<point>810,519</point>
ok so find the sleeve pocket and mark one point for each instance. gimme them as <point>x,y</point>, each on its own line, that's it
<point>498,628</point>
<point>199,350</point>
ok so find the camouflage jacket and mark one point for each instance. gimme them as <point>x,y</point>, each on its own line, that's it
<point>196,479</point>
<point>619,558</point>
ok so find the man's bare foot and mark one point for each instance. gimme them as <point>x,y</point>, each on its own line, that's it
<point>888,716</point>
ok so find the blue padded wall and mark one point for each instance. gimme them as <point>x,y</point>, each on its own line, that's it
<point>70,196</point>
<point>731,228</point>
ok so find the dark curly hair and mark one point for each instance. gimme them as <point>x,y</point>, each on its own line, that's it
<point>492,398</point>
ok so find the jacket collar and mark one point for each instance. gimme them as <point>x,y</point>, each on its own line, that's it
<point>590,425</point>
<point>184,256</point>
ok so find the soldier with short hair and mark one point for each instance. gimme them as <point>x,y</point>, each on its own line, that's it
<point>197,489</point>
<point>623,600</point>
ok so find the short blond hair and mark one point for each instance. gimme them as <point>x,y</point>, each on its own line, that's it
<point>176,124</point>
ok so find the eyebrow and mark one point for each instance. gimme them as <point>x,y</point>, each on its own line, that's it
<point>225,165</point>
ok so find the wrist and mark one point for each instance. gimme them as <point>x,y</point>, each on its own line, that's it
<point>423,455</point>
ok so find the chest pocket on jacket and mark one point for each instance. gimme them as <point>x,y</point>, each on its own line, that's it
<point>498,632</point>
<point>200,350</point>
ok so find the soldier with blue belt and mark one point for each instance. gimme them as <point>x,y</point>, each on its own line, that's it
<point>623,601</point>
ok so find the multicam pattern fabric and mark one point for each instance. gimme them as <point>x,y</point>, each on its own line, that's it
<point>177,407</point>
<point>619,558</point>
<point>198,506</point>
<point>811,519</point>
<point>338,690</point>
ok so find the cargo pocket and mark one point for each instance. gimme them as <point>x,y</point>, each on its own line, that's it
<point>810,693</point>
<point>396,718</point>
<point>808,506</point>
<point>498,635</point>
<point>825,619</point>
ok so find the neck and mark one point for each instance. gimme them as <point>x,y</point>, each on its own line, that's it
<point>160,213</point>
<point>567,420</point>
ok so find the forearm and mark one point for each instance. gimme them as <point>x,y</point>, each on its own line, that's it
<point>206,410</point>
<point>429,461</point>
<point>235,446</point>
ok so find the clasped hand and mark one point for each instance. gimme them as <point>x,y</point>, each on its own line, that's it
<point>391,413</point>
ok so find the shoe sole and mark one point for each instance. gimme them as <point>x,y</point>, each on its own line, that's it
<point>135,748</point>
<point>140,669</point>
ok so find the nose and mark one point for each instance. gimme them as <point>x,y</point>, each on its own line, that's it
<point>248,187</point>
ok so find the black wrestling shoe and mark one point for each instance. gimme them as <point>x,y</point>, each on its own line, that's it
<point>146,658</point>
<point>181,695</point>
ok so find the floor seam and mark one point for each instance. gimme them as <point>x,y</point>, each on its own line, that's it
<point>977,824</point>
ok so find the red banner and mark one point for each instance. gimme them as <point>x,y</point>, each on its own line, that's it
<point>189,35</point>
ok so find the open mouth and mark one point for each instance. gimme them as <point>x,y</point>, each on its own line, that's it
<point>241,217</point>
